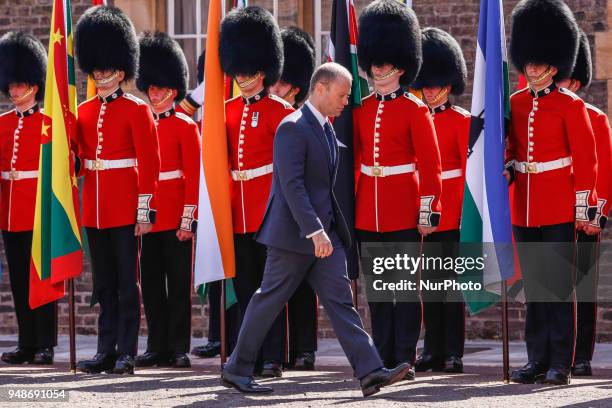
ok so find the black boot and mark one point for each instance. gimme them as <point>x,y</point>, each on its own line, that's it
<point>150,359</point>
<point>426,362</point>
<point>210,350</point>
<point>18,356</point>
<point>271,369</point>
<point>453,364</point>
<point>529,374</point>
<point>305,362</point>
<point>582,369</point>
<point>180,360</point>
<point>557,376</point>
<point>101,362</point>
<point>124,365</point>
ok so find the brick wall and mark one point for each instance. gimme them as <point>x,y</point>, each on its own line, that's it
<point>459,17</point>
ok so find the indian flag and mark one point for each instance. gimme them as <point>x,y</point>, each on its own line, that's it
<point>214,257</point>
<point>57,253</point>
<point>486,208</point>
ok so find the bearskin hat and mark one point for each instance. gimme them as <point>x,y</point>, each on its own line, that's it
<point>544,32</point>
<point>299,51</point>
<point>105,40</point>
<point>389,33</point>
<point>22,59</point>
<point>250,42</point>
<point>584,65</point>
<point>162,63</point>
<point>443,62</point>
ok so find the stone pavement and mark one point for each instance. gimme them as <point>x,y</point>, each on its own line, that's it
<point>331,384</point>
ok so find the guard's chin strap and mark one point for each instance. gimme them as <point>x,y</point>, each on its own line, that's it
<point>543,77</point>
<point>165,98</point>
<point>387,74</point>
<point>25,95</point>
<point>107,80</point>
<point>248,82</point>
<point>435,101</point>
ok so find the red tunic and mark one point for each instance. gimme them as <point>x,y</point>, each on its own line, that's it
<point>603,141</point>
<point>391,130</point>
<point>118,128</point>
<point>19,151</point>
<point>551,125</point>
<point>453,131</point>
<point>177,198</point>
<point>251,125</point>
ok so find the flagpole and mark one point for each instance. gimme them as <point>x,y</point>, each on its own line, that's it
<point>505,345</point>
<point>72,326</point>
<point>222,324</point>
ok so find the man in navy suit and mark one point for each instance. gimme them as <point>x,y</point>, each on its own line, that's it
<point>305,233</point>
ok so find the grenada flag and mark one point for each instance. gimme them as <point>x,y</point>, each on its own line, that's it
<point>57,252</point>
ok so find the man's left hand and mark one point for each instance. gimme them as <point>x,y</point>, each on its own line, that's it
<point>184,235</point>
<point>425,231</point>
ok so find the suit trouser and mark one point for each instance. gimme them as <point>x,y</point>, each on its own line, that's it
<point>38,327</point>
<point>166,291</point>
<point>284,272</point>
<point>548,275</point>
<point>302,321</point>
<point>396,326</point>
<point>443,311</point>
<point>114,254</point>
<point>232,317</point>
<point>250,265</point>
<point>587,252</point>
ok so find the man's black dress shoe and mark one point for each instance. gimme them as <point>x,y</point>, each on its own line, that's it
<point>305,362</point>
<point>529,374</point>
<point>453,364</point>
<point>271,369</point>
<point>373,382</point>
<point>210,350</point>
<point>426,362</point>
<point>18,356</point>
<point>243,384</point>
<point>99,363</point>
<point>557,376</point>
<point>180,360</point>
<point>124,365</point>
<point>151,359</point>
<point>43,356</point>
<point>582,368</point>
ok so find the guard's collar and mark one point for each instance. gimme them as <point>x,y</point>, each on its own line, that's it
<point>255,98</point>
<point>543,92</point>
<point>115,95</point>
<point>27,112</point>
<point>441,108</point>
<point>164,115</point>
<point>390,96</point>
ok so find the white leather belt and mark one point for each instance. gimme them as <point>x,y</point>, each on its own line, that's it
<point>384,171</point>
<point>170,175</point>
<point>540,167</point>
<point>245,175</point>
<point>450,174</point>
<point>100,164</point>
<point>19,175</point>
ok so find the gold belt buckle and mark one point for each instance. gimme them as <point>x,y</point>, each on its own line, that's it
<point>98,164</point>
<point>242,175</point>
<point>531,168</point>
<point>377,171</point>
<point>13,175</point>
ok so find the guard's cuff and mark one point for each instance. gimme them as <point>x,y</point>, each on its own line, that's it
<point>583,211</point>
<point>144,213</point>
<point>188,222</point>
<point>600,218</point>
<point>510,168</point>
<point>428,218</point>
<point>189,106</point>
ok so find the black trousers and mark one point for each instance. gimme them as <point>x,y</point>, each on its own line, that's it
<point>232,317</point>
<point>302,321</point>
<point>396,326</point>
<point>443,311</point>
<point>114,255</point>
<point>587,262</point>
<point>548,275</point>
<point>250,264</point>
<point>38,327</point>
<point>166,291</point>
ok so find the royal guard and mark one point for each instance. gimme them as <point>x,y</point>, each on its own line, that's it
<point>299,52</point>
<point>118,149</point>
<point>444,73</point>
<point>588,245</point>
<point>167,252</point>
<point>251,52</point>
<point>393,131</point>
<point>552,162</point>
<point>22,80</point>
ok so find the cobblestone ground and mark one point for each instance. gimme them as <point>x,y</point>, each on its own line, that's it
<point>328,386</point>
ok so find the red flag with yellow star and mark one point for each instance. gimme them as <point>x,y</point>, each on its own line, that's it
<point>57,251</point>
